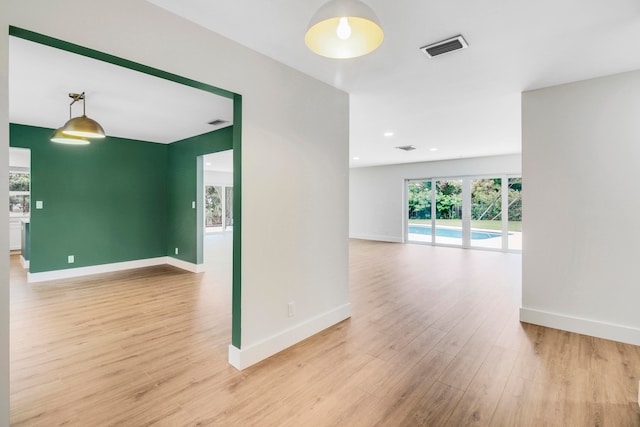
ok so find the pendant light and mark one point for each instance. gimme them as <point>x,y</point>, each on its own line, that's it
<point>61,138</point>
<point>343,29</point>
<point>82,126</point>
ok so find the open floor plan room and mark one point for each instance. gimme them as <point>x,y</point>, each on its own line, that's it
<point>434,339</point>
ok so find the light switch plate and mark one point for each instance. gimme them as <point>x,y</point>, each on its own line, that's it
<point>39,204</point>
<point>193,205</point>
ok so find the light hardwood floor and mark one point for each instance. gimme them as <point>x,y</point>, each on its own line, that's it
<point>434,340</point>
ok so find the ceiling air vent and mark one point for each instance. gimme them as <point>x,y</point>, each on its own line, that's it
<point>217,122</point>
<point>406,147</point>
<point>444,46</point>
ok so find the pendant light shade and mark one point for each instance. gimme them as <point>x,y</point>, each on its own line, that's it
<point>343,29</point>
<point>83,127</point>
<point>78,130</point>
<point>61,138</point>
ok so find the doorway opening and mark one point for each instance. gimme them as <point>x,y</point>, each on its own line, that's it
<point>218,192</point>
<point>19,202</point>
<point>215,227</point>
<point>192,253</point>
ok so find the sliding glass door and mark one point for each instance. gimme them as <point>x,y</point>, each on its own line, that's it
<point>514,209</point>
<point>466,212</point>
<point>419,211</point>
<point>486,213</point>
<point>448,224</point>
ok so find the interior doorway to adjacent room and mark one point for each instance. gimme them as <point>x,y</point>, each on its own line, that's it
<point>218,192</point>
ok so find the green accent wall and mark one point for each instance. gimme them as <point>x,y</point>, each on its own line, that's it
<point>183,174</point>
<point>103,203</point>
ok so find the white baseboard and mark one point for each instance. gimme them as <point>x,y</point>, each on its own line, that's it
<point>94,269</point>
<point>582,326</point>
<point>110,268</point>
<point>24,262</point>
<point>194,268</point>
<point>377,238</point>
<point>252,354</point>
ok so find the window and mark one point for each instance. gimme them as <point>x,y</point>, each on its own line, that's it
<point>19,193</point>
<point>228,211</point>
<point>218,205</point>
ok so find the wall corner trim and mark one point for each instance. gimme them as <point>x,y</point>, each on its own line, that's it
<point>582,326</point>
<point>252,354</point>
<point>194,268</point>
<point>235,357</point>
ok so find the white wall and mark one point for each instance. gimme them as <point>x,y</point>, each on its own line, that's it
<point>581,168</point>
<point>294,167</point>
<point>376,203</point>
<point>19,158</point>
<point>4,218</point>
<point>218,178</point>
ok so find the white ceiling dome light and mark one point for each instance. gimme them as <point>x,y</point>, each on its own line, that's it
<point>343,29</point>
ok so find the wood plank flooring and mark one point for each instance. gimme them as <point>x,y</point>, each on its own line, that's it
<point>434,341</point>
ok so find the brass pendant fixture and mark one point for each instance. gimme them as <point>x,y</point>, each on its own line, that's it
<point>78,130</point>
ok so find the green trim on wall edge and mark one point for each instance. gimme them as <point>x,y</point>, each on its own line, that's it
<point>237,147</point>
<point>236,305</point>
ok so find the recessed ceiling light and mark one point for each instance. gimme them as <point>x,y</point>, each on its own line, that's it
<point>433,149</point>
<point>208,164</point>
<point>388,134</point>
<point>356,158</point>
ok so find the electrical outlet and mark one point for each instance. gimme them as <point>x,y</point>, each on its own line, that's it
<point>39,204</point>
<point>71,259</point>
<point>176,251</point>
<point>292,308</point>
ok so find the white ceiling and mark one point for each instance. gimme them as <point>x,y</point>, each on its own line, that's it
<point>126,103</point>
<point>463,104</point>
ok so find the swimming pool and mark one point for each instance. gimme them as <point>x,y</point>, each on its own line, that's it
<point>455,233</point>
